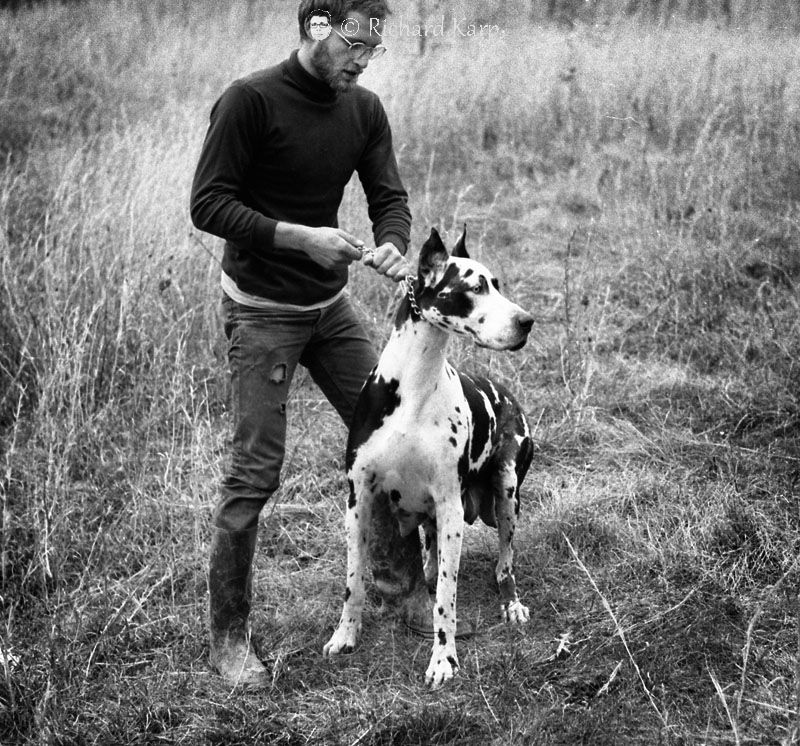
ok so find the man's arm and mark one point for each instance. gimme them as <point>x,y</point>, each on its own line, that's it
<point>216,207</point>
<point>387,200</point>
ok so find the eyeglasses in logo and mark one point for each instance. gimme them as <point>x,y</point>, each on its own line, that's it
<point>319,25</point>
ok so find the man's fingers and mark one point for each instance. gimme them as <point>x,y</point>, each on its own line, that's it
<point>352,252</point>
<point>350,238</point>
<point>399,272</point>
<point>387,260</point>
<point>382,257</point>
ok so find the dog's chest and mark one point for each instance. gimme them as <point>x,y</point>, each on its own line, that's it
<point>414,449</point>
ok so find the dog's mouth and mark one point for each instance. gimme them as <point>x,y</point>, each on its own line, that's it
<point>518,345</point>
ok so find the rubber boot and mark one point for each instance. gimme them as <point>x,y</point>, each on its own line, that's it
<point>229,583</point>
<point>399,574</point>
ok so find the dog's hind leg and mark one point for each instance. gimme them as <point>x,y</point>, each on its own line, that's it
<point>506,492</point>
<point>357,526</point>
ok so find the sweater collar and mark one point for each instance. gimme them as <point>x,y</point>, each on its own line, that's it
<point>305,82</point>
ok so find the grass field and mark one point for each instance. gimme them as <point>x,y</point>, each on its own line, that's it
<point>637,188</point>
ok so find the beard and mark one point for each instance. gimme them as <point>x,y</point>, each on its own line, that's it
<point>341,76</point>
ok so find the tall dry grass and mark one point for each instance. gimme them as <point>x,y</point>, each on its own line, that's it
<point>635,186</point>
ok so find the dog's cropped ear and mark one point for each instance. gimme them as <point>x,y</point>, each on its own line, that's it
<point>432,256</point>
<point>461,249</point>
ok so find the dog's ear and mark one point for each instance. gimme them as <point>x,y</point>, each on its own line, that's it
<point>433,255</point>
<point>461,249</point>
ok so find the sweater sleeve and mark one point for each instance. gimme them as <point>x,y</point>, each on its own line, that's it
<point>387,200</point>
<point>218,199</point>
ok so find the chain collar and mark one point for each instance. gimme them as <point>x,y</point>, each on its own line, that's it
<point>409,280</point>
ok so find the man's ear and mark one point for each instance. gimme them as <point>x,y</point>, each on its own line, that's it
<point>461,250</point>
<point>433,255</point>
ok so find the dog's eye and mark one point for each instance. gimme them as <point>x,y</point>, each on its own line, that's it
<point>481,287</point>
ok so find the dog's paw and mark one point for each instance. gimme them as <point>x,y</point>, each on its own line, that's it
<point>515,612</point>
<point>343,640</point>
<point>442,668</point>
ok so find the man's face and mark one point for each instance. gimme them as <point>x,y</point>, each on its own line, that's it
<point>332,58</point>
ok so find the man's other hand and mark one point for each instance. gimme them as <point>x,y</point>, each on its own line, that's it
<point>387,260</point>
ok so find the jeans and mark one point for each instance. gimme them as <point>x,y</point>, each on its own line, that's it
<point>264,349</point>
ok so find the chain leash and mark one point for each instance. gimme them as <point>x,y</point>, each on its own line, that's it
<point>409,280</point>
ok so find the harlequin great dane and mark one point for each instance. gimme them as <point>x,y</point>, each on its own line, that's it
<point>444,446</point>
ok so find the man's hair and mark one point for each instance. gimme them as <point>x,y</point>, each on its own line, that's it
<point>339,11</point>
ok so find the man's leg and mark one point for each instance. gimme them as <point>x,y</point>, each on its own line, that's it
<point>339,357</point>
<point>263,350</point>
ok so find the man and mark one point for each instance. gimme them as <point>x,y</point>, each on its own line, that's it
<point>281,146</point>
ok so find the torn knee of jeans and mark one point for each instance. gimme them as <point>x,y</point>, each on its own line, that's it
<point>278,374</point>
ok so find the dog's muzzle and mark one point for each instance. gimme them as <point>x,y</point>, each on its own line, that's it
<point>524,324</point>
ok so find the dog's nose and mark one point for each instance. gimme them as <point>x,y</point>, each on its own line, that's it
<point>525,322</point>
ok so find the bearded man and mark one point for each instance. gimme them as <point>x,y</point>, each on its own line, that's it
<point>281,146</point>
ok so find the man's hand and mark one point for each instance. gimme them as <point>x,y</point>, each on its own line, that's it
<point>328,247</point>
<point>387,260</point>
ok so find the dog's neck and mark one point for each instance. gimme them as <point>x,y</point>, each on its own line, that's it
<point>415,352</point>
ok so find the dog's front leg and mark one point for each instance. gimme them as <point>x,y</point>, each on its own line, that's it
<point>450,529</point>
<point>431,564</point>
<point>357,523</point>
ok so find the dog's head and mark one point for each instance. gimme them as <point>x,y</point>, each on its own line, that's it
<point>461,296</point>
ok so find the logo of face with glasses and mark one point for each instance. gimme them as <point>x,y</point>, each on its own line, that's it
<point>319,27</point>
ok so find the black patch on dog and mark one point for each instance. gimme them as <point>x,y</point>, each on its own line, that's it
<point>346,594</point>
<point>524,458</point>
<point>404,311</point>
<point>450,295</point>
<point>442,637</point>
<point>351,501</point>
<point>481,420</point>
<point>477,488</point>
<point>377,400</point>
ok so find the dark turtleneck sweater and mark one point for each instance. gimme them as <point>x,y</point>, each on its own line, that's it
<point>281,146</point>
